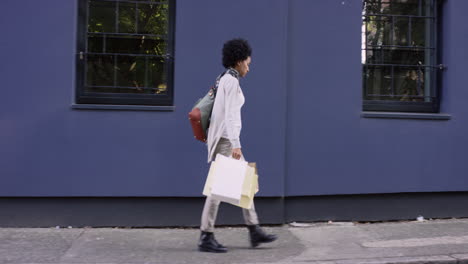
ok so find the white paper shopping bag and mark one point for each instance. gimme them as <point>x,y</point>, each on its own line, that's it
<point>228,179</point>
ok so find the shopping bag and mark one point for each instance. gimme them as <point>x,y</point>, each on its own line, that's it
<point>228,179</point>
<point>250,186</point>
<point>224,184</point>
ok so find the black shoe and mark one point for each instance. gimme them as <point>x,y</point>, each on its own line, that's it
<point>257,236</point>
<point>208,243</point>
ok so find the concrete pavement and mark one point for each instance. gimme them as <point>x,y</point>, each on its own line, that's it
<point>438,241</point>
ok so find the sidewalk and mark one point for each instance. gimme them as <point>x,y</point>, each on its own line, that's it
<point>438,241</point>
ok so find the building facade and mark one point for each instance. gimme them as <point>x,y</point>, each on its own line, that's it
<point>322,152</point>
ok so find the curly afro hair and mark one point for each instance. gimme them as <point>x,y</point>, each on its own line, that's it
<point>234,51</point>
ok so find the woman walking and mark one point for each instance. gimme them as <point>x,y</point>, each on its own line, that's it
<point>224,139</point>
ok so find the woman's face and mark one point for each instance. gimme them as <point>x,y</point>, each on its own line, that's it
<point>243,67</point>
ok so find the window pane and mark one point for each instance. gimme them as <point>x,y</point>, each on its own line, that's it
<point>127,44</point>
<point>125,53</point>
<point>401,31</point>
<point>153,19</point>
<point>136,75</point>
<point>410,84</point>
<point>101,16</point>
<point>96,43</point>
<point>399,51</point>
<point>158,75</point>
<point>100,70</point>
<point>404,56</point>
<point>127,17</point>
<point>136,45</point>
<point>140,73</point>
<point>420,32</point>
<point>379,31</point>
<point>399,7</point>
<point>378,81</point>
<point>398,31</point>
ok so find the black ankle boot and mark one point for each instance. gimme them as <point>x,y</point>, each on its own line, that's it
<point>257,236</point>
<point>208,243</point>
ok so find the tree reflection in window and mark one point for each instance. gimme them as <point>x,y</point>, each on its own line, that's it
<point>127,47</point>
<point>398,50</point>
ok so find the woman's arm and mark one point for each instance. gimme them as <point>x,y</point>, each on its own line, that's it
<point>232,115</point>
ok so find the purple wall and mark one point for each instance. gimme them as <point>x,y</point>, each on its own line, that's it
<point>49,149</point>
<point>302,118</point>
<point>331,149</point>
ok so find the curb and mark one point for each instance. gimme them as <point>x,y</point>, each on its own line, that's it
<point>440,259</point>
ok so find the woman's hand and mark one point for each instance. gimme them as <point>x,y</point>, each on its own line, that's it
<point>236,153</point>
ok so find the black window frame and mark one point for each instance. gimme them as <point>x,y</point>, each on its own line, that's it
<point>84,97</point>
<point>436,85</point>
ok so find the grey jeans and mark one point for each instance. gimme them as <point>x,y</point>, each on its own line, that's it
<point>210,210</point>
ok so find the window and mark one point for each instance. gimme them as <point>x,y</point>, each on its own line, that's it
<point>399,55</point>
<point>125,52</point>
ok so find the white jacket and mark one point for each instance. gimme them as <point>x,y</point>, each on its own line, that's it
<point>226,116</point>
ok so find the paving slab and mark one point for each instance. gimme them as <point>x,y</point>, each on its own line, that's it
<point>430,242</point>
<point>39,245</point>
<point>112,245</point>
<point>384,240</point>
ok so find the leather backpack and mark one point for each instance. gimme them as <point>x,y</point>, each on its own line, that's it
<point>201,112</point>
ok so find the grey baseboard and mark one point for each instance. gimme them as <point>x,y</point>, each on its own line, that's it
<point>376,207</point>
<point>124,212</point>
<point>186,212</point>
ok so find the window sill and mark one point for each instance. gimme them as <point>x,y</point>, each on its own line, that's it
<point>398,115</point>
<point>123,107</point>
